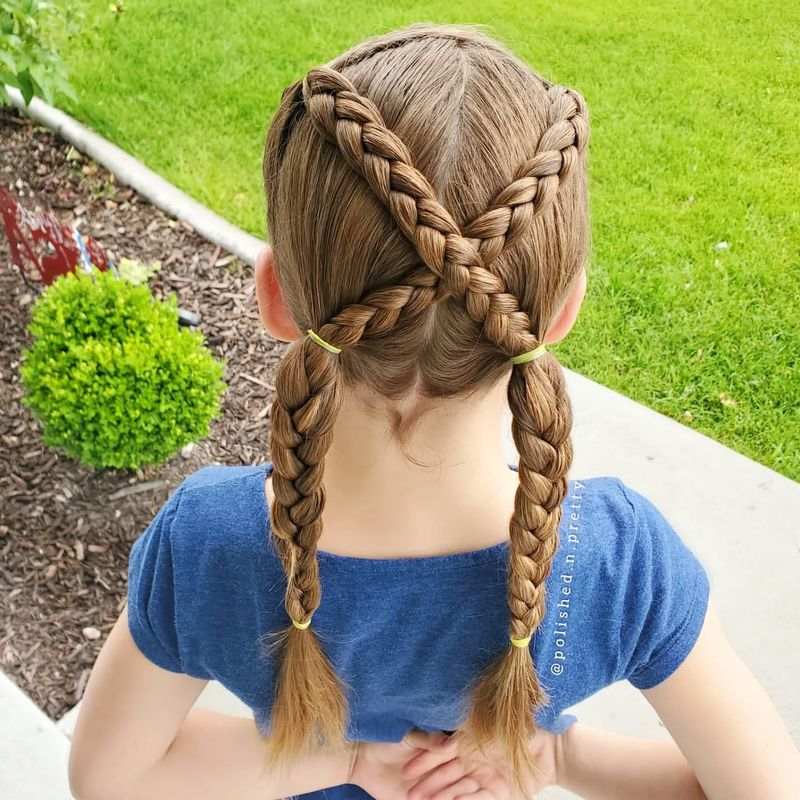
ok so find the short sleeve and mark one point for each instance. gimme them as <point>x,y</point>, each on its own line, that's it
<point>151,590</point>
<point>665,599</point>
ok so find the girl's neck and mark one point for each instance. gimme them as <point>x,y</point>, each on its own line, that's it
<point>380,504</point>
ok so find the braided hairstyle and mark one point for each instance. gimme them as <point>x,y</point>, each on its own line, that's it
<point>449,223</point>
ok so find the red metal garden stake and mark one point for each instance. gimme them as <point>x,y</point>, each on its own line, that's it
<point>52,248</point>
<point>42,247</point>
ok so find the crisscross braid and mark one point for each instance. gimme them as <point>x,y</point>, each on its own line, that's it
<point>354,124</point>
<point>310,704</point>
<point>536,182</point>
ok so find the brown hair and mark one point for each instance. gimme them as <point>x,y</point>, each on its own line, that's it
<point>428,208</point>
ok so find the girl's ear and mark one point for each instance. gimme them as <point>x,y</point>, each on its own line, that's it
<point>564,319</point>
<point>273,312</point>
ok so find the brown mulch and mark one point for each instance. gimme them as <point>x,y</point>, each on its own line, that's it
<point>65,531</point>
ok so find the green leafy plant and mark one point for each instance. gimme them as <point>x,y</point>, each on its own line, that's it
<point>135,271</point>
<point>28,61</point>
<point>112,377</point>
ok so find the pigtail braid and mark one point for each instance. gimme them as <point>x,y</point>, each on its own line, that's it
<point>310,704</point>
<point>508,693</point>
<point>310,707</point>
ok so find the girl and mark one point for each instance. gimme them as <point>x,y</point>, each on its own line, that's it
<point>427,200</point>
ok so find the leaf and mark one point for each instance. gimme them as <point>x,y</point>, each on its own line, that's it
<point>11,80</point>
<point>8,60</point>
<point>6,21</point>
<point>26,86</point>
<point>42,82</point>
<point>64,86</point>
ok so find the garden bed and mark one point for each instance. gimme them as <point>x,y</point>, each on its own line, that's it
<point>66,529</point>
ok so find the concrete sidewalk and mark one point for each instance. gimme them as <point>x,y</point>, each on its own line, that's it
<point>739,517</point>
<point>33,751</point>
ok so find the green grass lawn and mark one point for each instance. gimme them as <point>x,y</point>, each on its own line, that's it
<point>694,109</point>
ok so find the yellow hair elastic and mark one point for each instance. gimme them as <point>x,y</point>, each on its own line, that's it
<point>523,358</point>
<point>301,626</point>
<point>315,337</point>
<point>521,642</point>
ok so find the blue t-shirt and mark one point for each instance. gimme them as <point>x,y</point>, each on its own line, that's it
<point>626,599</point>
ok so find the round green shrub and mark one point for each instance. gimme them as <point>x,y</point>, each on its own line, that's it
<point>112,377</point>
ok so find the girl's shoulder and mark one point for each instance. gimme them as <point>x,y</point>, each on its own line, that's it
<point>194,570</point>
<point>638,590</point>
<point>614,517</point>
<point>219,519</point>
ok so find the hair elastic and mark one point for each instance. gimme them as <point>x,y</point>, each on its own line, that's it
<point>301,626</point>
<point>523,358</point>
<point>521,642</point>
<point>331,348</point>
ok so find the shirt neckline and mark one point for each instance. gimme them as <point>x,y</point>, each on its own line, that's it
<point>464,559</point>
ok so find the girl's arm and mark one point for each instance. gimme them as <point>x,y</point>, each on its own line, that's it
<point>601,765</point>
<point>725,723</point>
<point>137,739</point>
<point>725,726</point>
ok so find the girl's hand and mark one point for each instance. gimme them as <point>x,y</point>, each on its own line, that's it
<point>480,776</point>
<point>377,767</point>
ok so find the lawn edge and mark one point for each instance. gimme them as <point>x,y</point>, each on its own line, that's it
<point>138,176</point>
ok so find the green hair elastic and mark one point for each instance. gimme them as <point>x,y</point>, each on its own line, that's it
<point>331,348</point>
<point>301,626</point>
<point>523,358</point>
